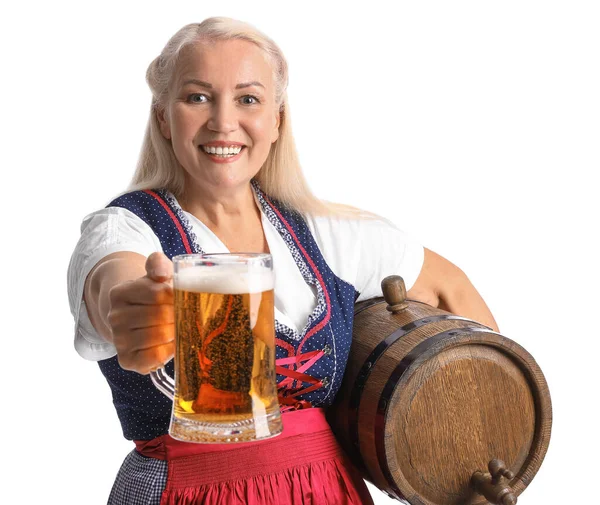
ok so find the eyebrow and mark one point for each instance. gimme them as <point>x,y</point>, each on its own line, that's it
<point>209,86</point>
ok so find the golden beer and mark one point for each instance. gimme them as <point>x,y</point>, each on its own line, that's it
<point>225,388</point>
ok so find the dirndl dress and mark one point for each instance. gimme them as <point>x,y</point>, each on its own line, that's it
<point>303,465</point>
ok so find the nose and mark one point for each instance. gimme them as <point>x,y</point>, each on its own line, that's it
<point>224,117</point>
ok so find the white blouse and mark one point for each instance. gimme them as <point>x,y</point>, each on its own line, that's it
<point>360,251</point>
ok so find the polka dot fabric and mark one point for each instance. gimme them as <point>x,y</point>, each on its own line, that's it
<point>330,325</point>
<point>145,412</point>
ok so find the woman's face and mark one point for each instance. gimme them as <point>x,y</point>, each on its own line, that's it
<point>222,92</point>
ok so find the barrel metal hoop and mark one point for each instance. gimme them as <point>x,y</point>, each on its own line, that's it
<point>360,306</point>
<point>367,368</point>
<point>364,305</point>
<point>390,386</point>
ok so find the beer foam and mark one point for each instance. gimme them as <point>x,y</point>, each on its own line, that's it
<point>226,279</point>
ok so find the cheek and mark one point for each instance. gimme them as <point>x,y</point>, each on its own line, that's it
<point>184,123</point>
<point>262,128</point>
<point>183,126</point>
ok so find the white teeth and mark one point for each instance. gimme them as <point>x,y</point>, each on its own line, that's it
<point>225,151</point>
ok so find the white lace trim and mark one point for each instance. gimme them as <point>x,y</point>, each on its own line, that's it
<point>305,270</point>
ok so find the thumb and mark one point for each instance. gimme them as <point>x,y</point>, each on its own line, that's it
<point>159,268</point>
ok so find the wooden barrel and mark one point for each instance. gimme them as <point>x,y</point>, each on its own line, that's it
<point>438,409</point>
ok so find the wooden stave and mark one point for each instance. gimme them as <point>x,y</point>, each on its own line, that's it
<point>370,326</point>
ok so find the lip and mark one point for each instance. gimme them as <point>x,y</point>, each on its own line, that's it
<point>215,159</point>
<point>222,143</point>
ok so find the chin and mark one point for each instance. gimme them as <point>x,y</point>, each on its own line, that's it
<point>230,182</point>
<point>219,177</point>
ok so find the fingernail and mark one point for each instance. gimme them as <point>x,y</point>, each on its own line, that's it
<point>159,272</point>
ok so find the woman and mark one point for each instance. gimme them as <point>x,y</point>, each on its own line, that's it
<point>219,173</point>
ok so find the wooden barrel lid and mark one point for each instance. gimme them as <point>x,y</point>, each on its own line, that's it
<point>458,401</point>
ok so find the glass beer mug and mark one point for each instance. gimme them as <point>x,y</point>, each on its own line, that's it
<point>225,388</point>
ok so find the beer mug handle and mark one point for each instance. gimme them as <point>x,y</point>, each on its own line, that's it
<point>163,382</point>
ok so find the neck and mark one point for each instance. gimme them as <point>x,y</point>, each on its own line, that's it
<point>218,210</point>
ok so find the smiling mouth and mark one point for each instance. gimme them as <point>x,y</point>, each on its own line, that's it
<point>223,152</point>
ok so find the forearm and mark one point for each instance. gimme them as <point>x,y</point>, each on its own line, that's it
<point>112,270</point>
<point>442,284</point>
<point>461,298</point>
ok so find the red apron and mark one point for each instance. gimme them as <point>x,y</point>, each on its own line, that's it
<point>304,465</point>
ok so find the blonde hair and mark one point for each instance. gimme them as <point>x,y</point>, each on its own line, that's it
<point>280,176</point>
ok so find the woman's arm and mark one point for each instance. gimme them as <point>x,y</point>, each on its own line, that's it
<point>111,270</point>
<point>129,300</point>
<point>442,284</point>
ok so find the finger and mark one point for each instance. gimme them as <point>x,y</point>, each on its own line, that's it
<point>147,338</point>
<point>147,316</point>
<point>142,291</point>
<point>146,360</point>
<point>131,317</point>
<point>127,341</point>
<point>159,267</point>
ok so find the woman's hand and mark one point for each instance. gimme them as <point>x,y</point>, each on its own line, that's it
<point>132,310</point>
<point>442,284</point>
<point>141,317</point>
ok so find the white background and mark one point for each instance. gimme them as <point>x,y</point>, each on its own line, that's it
<point>473,125</point>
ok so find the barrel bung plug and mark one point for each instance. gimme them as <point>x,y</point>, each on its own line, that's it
<point>394,293</point>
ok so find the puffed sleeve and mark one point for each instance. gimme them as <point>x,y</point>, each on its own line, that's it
<point>365,251</point>
<point>102,233</point>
